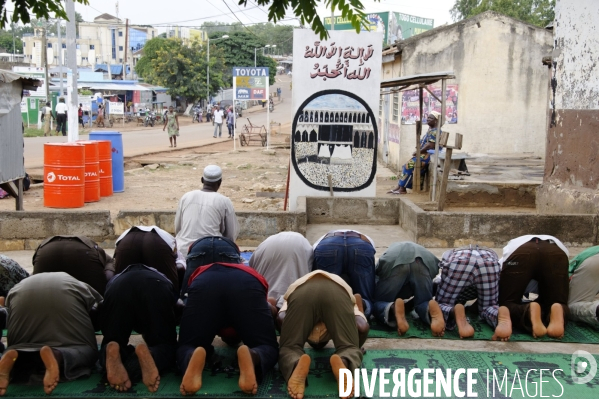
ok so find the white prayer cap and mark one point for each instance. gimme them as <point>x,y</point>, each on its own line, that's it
<point>212,173</point>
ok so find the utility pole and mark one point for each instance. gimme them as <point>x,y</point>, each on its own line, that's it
<point>126,48</point>
<point>45,62</point>
<point>72,77</point>
<point>332,19</point>
<point>13,41</point>
<point>59,30</point>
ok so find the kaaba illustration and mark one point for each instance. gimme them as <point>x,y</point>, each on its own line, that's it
<point>334,133</point>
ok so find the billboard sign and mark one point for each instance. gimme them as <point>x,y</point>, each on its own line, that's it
<point>33,73</point>
<point>250,83</point>
<point>393,25</point>
<point>334,132</point>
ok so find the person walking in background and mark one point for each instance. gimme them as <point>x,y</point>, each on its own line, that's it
<point>230,121</point>
<point>100,117</point>
<point>172,121</point>
<point>47,116</point>
<point>61,117</point>
<point>80,115</point>
<point>218,121</point>
<point>208,113</point>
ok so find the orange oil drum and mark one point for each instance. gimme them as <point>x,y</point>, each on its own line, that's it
<point>105,150</point>
<point>92,170</point>
<point>64,175</point>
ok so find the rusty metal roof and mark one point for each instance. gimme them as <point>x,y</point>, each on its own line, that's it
<point>28,83</point>
<point>405,82</point>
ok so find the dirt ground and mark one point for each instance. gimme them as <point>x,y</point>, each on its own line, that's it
<point>250,177</point>
<point>254,179</point>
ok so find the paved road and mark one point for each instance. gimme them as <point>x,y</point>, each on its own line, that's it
<point>152,140</point>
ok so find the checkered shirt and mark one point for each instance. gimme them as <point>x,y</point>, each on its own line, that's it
<point>468,270</point>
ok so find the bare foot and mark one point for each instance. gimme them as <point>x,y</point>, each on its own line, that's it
<point>272,301</point>
<point>192,380</point>
<point>247,375</point>
<point>400,317</point>
<point>503,331</point>
<point>437,320</point>
<point>2,300</point>
<point>359,302</point>
<point>337,364</point>
<point>297,382</point>
<point>538,328</point>
<point>115,371</point>
<point>6,364</point>
<point>464,328</point>
<point>52,369</point>
<point>149,371</point>
<point>555,329</point>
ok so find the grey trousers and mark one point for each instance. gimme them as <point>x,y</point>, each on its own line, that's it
<point>584,287</point>
<point>318,299</point>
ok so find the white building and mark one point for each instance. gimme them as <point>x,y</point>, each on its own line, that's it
<point>99,42</point>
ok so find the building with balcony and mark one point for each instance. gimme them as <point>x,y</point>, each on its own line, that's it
<point>102,41</point>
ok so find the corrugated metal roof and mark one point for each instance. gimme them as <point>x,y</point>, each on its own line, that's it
<point>112,86</point>
<point>424,79</point>
<point>28,83</point>
<point>115,69</point>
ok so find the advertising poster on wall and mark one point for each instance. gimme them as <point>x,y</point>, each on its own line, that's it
<point>393,25</point>
<point>410,112</point>
<point>334,133</point>
<point>34,73</point>
<point>403,26</point>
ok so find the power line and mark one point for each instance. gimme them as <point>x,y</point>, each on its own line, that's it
<point>246,28</point>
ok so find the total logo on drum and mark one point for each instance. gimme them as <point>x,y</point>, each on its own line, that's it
<point>51,177</point>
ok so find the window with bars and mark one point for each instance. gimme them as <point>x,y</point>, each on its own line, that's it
<point>381,102</point>
<point>396,107</point>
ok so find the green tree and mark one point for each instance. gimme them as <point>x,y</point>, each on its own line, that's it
<point>279,35</point>
<point>239,50</point>
<point>25,9</point>
<point>536,12</point>
<point>145,67</point>
<point>6,42</point>
<point>181,68</point>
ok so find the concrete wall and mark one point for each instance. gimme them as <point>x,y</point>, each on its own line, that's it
<point>25,230</point>
<point>502,83</point>
<point>352,210</point>
<point>571,176</point>
<point>452,229</point>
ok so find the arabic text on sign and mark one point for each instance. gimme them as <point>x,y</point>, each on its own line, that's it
<point>346,56</point>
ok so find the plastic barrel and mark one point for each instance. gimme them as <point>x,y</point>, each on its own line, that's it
<point>92,170</point>
<point>118,159</point>
<point>105,149</point>
<point>64,175</point>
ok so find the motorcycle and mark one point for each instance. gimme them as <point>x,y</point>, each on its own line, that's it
<point>150,118</point>
<point>196,116</point>
<point>271,105</point>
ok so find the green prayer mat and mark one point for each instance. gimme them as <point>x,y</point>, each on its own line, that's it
<point>575,332</point>
<point>221,379</point>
